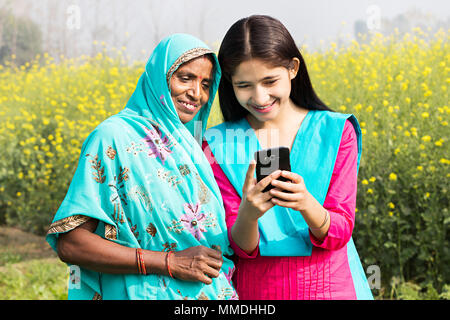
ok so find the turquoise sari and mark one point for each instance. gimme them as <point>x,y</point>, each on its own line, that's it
<point>142,174</point>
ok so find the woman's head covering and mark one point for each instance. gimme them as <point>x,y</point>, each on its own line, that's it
<point>152,95</point>
<point>144,177</point>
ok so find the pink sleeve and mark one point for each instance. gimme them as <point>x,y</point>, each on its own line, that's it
<point>231,201</point>
<point>341,197</point>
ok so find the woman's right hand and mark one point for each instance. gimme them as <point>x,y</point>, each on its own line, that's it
<point>198,263</point>
<point>255,203</point>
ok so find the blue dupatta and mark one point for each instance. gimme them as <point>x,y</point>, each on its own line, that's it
<point>283,231</point>
<point>144,176</point>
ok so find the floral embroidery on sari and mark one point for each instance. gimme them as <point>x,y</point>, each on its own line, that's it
<point>165,175</point>
<point>135,148</point>
<point>111,153</point>
<point>118,196</point>
<point>138,193</point>
<point>151,229</point>
<point>99,173</point>
<point>193,221</point>
<point>159,145</point>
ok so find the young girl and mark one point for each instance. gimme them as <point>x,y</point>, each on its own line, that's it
<point>294,241</point>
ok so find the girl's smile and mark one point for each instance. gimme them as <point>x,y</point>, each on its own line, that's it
<point>262,89</point>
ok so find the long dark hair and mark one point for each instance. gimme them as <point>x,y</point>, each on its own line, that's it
<point>265,38</point>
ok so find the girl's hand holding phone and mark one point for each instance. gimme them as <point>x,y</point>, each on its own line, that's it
<point>292,194</point>
<point>255,202</point>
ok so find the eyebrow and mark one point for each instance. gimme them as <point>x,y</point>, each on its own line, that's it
<point>263,79</point>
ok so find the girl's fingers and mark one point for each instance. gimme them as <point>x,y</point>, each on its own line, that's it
<point>286,204</point>
<point>267,180</point>
<point>292,176</point>
<point>283,195</point>
<point>249,176</point>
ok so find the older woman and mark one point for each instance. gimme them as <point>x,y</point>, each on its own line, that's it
<point>143,217</point>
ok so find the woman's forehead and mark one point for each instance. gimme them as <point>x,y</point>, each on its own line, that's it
<point>200,67</point>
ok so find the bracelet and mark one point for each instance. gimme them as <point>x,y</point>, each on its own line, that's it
<point>323,223</point>
<point>140,261</point>
<point>167,262</point>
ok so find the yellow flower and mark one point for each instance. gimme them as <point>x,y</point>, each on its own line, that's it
<point>391,205</point>
<point>439,143</point>
<point>365,182</point>
<point>425,115</point>
<point>392,176</point>
<point>426,138</point>
<point>419,168</point>
<point>390,213</point>
<point>372,179</point>
<point>18,194</point>
<point>369,191</point>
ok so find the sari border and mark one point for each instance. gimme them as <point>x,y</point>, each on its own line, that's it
<point>187,56</point>
<point>72,222</point>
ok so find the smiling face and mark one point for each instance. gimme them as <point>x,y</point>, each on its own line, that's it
<point>262,89</point>
<point>189,87</point>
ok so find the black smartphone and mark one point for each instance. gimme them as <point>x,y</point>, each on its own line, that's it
<point>270,160</point>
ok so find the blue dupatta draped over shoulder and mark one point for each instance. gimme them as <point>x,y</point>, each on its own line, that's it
<point>283,231</point>
<point>142,174</point>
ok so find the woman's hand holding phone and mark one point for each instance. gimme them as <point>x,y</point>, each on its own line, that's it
<point>292,194</point>
<point>255,202</point>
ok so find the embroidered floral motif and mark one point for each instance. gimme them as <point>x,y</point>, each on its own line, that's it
<point>118,196</point>
<point>123,175</point>
<point>134,230</point>
<point>230,273</point>
<point>139,193</point>
<point>166,176</point>
<point>151,229</point>
<point>135,149</point>
<point>202,296</point>
<point>111,153</point>
<point>184,170</point>
<point>99,173</point>
<point>193,221</point>
<point>204,194</point>
<point>159,146</point>
<point>227,294</point>
<point>169,246</point>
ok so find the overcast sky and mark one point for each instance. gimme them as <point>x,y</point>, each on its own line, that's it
<point>140,24</point>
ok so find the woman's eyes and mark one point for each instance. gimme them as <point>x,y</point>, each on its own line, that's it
<point>186,79</point>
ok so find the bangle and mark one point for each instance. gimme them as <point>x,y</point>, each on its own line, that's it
<point>140,261</point>
<point>323,223</point>
<point>167,262</point>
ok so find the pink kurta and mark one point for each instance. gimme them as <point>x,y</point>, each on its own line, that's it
<point>323,275</point>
